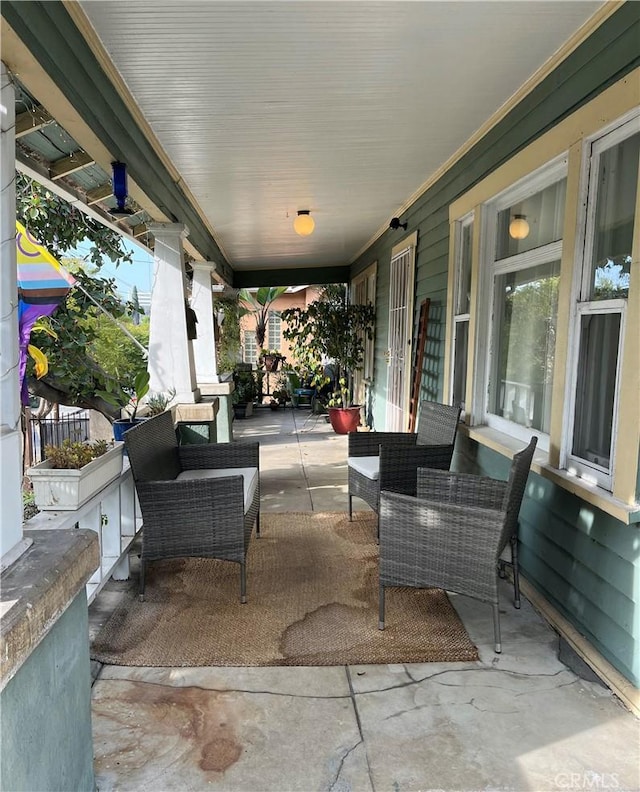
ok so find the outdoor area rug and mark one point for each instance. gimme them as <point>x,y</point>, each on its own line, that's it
<point>312,589</point>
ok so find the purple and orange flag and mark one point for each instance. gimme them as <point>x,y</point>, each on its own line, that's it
<point>42,286</point>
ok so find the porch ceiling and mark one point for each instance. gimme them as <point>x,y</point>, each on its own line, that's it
<point>346,109</point>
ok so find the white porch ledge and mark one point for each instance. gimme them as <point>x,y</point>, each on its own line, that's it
<point>38,588</point>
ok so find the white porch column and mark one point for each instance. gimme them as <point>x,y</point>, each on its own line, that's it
<point>171,363</point>
<point>204,347</point>
<point>11,541</point>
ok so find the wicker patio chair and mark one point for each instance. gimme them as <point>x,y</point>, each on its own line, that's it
<point>197,500</point>
<point>452,534</point>
<point>390,460</point>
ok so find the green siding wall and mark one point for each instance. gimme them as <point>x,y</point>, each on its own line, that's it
<point>46,740</point>
<point>585,562</point>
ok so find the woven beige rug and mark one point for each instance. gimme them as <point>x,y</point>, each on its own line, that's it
<point>312,587</point>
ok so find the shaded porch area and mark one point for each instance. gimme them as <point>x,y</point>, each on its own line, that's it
<point>521,720</point>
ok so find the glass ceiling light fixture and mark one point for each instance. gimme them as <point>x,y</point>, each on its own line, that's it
<point>304,224</point>
<point>120,189</point>
<point>518,227</point>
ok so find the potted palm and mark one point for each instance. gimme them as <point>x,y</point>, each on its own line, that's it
<point>72,473</point>
<point>331,329</point>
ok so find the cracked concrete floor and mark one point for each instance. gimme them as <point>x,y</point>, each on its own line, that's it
<point>518,721</point>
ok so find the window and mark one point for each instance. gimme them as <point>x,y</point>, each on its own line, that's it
<point>462,308</point>
<point>250,347</point>
<point>552,342</point>
<point>605,266</point>
<point>364,291</point>
<point>525,233</point>
<point>274,330</point>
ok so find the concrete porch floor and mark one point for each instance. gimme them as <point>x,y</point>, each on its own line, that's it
<point>517,721</point>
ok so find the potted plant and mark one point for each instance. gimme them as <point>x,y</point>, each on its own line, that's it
<point>72,473</point>
<point>331,329</point>
<point>129,399</point>
<point>271,359</point>
<point>244,393</point>
<point>158,402</point>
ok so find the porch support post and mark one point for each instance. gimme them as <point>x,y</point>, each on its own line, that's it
<point>204,347</point>
<point>171,361</point>
<point>11,541</point>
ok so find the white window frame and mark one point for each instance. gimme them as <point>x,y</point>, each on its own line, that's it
<point>363,291</point>
<point>464,318</point>
<point>552,172</point>
<point>247,349</point>
<point>582,305</point>
<point>274,327</point>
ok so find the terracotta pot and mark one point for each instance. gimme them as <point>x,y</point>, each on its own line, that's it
<point>271,362</point>
<point>344,419</point>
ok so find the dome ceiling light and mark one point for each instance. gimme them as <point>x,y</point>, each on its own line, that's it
<point>518,227</point>
<point>304,224</point>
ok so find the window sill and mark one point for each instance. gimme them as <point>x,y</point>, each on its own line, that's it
<point>596,496</point>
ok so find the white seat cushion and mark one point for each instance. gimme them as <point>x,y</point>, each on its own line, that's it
<point>249,479</point>
<point>368,466</point>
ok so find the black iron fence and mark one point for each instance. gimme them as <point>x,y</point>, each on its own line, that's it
<point>52,431</point>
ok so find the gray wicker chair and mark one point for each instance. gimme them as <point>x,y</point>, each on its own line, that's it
<point>452,534</point>
<point>390,460</point>
<point>197,500</point>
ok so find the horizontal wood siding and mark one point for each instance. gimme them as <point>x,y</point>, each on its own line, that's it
<point>584,561</point>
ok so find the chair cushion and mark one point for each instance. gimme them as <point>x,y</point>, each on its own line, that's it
<point>249,479</point>
<point>368,466</point>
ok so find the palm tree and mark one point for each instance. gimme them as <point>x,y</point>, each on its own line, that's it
<point>260,303</point>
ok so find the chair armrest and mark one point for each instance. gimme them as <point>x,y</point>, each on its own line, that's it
<point>368,443</point>
<point>219,455</point>
<point>462,489</point>
<point>399,465</point>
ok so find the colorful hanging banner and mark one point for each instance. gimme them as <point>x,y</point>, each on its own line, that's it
<point>42,286</point>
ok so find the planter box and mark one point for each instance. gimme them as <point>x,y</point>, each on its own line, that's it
<point>67,490</point>
<point>243,410</point>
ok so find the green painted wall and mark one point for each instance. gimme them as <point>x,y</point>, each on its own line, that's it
<point>585,562</point>
<point>610,53</point>
<point>46,712</point>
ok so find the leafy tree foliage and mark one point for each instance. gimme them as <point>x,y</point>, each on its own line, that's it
<point>332,330</point>
<point>78,376</point>
<point>60,227</point>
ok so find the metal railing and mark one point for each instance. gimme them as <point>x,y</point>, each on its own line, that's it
<point>52,431</point>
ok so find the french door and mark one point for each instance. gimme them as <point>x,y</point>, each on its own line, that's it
<point>401,288</point>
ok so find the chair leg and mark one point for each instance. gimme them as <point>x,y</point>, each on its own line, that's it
<point>496,629</point>
<point>515,563</point>
<point>243,583</point>
<point>258,525</point>
<point>381,607</point>
<point>350,507</point>
<point>141,586</point>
